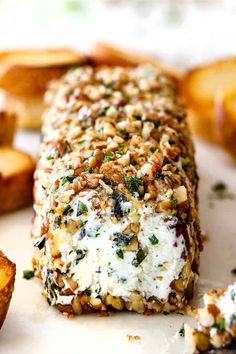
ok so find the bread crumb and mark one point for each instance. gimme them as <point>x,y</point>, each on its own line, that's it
<point>133,338</point>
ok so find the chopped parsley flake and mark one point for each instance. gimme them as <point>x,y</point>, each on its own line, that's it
<point>82,208</point>
<point>67,147</point>
<point>120,254</point>
<point>220,325</point>
<point>233,319</point>
<point>28,274</point>
<point>109,155</point>
<point>219,187</point>
<point>80,254</point>
<point>154,240</point>
<point>68,210</point>
<point>57,221</point>
<point>186,165</point>
<point>152,148</point>
<point>174,204</point>
<point>88,291</point>
<point>140,256</point>
<point>67,179</point>
<point>133,184</point>
<point>181,331</point>
<point>88,170</point>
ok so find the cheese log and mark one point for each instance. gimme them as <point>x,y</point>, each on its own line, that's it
<point>116,221</point>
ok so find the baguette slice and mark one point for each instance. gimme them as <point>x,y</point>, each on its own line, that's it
<point>225,120</point>
<point>27,72</point>
<point>200,86</point>
<point>7,128</point>
<point>29,110</point>
<point>102,53</point>
<point>7,279</point>
<point>16,179</point>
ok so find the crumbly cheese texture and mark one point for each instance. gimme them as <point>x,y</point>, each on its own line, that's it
<point>115,194</point>
<point>216,322</point>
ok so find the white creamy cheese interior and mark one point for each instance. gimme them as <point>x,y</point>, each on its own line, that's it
<point>227,303</point>
<point>102,271</point>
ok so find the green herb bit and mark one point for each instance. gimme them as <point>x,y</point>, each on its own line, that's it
<point>182,331</point>
<point>133,183</point>
<point>68,210</point>
<point>140,256</point>
<point>160,175</point>
<point>220,325</point>
<point>67,147</point>
<point>186,165</point>
<point>184,154</point>
<point>82,208</point>
<point>152,148</point>
<point>80,254</point>
<point>28,274</point>
<point>49,157</point>
<point>109,155</point>
<point>89,170</point>
<point>154,240</point>
<point>174,204</point>
<point>88,291</point>
<point>219,187</point>
<point>81,141</point>
<point>120,254</point>
<point>67,179</point>
<point>57,221</point>
<point>166,160</point>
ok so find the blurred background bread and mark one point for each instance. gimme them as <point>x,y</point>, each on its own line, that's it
<point>24,76</point>
<point>7,280</point>
<point>209,92</point>
<point>16,179</point>
<point>103,53</point>
<point>7,128</point>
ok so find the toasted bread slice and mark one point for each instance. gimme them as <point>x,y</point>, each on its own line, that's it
<point>200,86</point>
<point>7,280</point>
<point>107,54</point>
<point>16,179</point>
<point>27,72</point>
<point>225,120</point>
<point>29,110</point>
<point>7,128</point>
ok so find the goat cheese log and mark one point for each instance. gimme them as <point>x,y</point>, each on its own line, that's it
<point>116,221</point>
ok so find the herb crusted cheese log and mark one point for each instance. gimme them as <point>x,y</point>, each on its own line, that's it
<point>116,221</point>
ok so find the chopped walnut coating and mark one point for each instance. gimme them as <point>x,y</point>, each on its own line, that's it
<point>116,149</point>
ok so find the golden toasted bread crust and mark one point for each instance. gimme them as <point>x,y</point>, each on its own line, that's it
<point>199,87</point>
<point>9,270</point>
<point>102,53</point>
<point>27,73</point>
<point>7,128</point>
<point>28,110</point>
<point>16,180</point>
